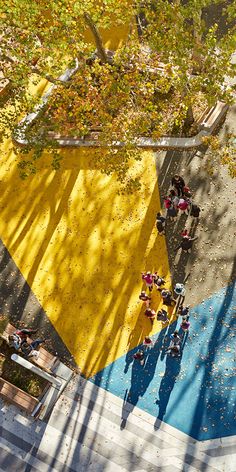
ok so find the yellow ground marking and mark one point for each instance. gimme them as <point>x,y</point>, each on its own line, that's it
<point>81,247</point>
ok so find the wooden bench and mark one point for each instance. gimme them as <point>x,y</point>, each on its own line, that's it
<point>18,397</point>
<point>45,360</point>
<point>213,117</point>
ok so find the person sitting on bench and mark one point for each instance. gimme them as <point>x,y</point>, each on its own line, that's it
<point>30,349</point>
<point>16,339</point>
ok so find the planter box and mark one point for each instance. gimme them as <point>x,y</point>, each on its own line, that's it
<point>15,395</point>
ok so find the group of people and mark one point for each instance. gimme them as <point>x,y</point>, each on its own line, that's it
<point>174,347</point>
<point>178,200</point>
<point>21,342</point>
<point>154,280</point>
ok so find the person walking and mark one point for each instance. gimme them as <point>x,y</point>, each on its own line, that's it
<point>183,310</point>
<point>148,278</point>
<point>184,205</point>
<point>145,298</point>
<point>160,223</point>
<point>174,198</point>
<point>180,290</point>
<point>167,202</point>
<point>185,325</point>
<point>162,316</point>
<point>186,244</point>
<point>175,338</point>
<point>151,314</point>
<point>148,343</point>
<point>139,356</point>
<point>174,350</point>
<point>167,298</point>
<point>187,192</point>
<point>175,343</point>
<point>172,212</point>
<point>178,183</point>
<point>158,281</point>
<point>194,210</point>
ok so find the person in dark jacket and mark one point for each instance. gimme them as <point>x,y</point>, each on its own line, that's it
<point>158,281</point>
<point>172,212</point>
<point>30,349</point>
<point>162,316</point>
<point>186,244</point>
<point>160,223</point>
<point>194,210</point>
<point>167,298</point>
<point>183,310</point>
<point>178,183</point>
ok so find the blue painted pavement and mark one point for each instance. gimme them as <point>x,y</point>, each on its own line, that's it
<point>195,392</point>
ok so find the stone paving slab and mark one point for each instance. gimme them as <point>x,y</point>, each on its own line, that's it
<point>80,437</point>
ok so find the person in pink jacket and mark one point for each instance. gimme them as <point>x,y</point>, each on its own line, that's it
<point>183,205</point>
<point>148,278</point>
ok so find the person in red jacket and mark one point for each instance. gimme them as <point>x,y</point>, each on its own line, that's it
<point>139,356</point>
<point>147,342</point>
<point>148,278</point>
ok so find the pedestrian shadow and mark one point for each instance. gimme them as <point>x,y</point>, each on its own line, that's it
<point>173,365</point>
<point>167,338</point>
<point>141,377</point>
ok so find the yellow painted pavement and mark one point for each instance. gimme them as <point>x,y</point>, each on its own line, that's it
<point>81,247</point>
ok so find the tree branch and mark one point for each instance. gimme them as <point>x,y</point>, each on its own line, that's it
<point>100,49</point>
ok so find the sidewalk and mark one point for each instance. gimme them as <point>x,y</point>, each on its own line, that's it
<point>84,434</point>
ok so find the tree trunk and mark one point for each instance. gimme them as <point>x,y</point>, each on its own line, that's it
<point>197,35</point>
<point>189,120</point>
<point>100,49</point>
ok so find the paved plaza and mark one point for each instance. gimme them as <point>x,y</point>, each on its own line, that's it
<point>170,414</point>
<point>84,433</point>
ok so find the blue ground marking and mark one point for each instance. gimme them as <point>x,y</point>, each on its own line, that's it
<point>195,393</point>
